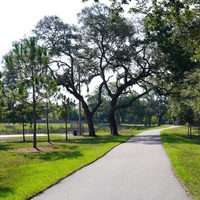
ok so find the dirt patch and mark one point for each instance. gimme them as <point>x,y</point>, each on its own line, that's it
<point>45,149</point>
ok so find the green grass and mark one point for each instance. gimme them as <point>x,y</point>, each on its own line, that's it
<point>24,173</point>
<point>184,153</point>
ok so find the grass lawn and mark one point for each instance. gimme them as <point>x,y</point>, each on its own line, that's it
<point>24,171</point>
<point>184,153</point>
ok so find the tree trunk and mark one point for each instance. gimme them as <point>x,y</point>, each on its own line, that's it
<point>89,118</point>
<point>189,129</point>
<point>113,124</point>
<point>66,129</point>
<point>159,120</point>
<point>90,126</point>
<point>34,119</point>
<point>149,121</point>
<point>34,126</point>
<point>47,122</point>
<point>23,132</point>
<point>79,118</point>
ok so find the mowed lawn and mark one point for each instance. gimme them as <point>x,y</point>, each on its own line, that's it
<point>184,153</point>
<point>25,171</point>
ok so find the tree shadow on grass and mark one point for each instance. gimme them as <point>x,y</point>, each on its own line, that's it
<point>5,147</point>
<point>11,145</point>
<point>5,192</point>
<point>179,139</point>
<point>54,155</point>
<point>99,139</point>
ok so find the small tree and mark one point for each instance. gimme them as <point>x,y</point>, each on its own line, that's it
<point>48,88</point>
<point>30,61</point>
<point>65,110</point>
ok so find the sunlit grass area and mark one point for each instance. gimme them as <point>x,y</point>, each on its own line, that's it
<point>184,153</point>
<point>24,171</point>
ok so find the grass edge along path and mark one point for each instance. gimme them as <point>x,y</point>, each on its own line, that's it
<point>24,174</point>
<point>184,154</point>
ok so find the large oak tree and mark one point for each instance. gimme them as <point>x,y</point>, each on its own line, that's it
<point>118,55</point>
<point>70,68</point>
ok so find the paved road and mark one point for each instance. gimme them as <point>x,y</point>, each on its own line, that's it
<point>136,170</point>
<point>20,135</point>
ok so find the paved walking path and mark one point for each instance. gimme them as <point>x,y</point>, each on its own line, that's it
<point>136,170</point>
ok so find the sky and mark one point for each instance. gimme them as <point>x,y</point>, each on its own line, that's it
<point>19,17</point>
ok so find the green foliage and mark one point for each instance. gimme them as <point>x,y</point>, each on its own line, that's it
<point>186,107</point>
<point>173,26</point>
<point>154,120</point>
<point>161,30</point>
<point>191,93</point>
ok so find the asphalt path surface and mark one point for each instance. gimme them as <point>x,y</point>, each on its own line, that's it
<point>138,169</point>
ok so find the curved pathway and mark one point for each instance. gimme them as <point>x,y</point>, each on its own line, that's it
<point>136,170</point>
